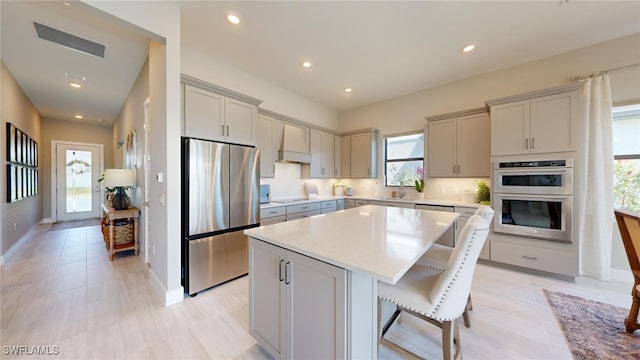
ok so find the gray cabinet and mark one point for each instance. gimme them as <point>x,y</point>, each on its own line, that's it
<point>296,304</point>
<point>273,215</point>
<point>460,146</point>
<point>322,156</point>
<point>359,154</point>
<point>532,123</point>
<point>212,116</point>
<point>304,210</point>
<point>265,141</point>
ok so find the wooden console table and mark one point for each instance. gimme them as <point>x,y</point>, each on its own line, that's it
<point>111,215</point>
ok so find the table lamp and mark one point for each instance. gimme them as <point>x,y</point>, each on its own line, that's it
<point>120,180</point>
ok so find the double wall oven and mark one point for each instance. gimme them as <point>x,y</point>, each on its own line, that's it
<point>534,199</point>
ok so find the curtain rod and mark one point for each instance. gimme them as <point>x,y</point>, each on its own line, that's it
<point>597,73</point>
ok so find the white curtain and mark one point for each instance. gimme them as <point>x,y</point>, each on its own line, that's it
<point>596,195</point>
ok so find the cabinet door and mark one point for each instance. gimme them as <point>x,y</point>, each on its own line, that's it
<point>337,157</point>
<point>265,142</point>
<point>203,113</point>
<point>240,120</point>
<point>267,296</point>
<point>442,148</point>
<point>553,123</point>
<point>345,156</point>
<point>510,128</point>
<point>361,155</point>
<point>474,146</point>
<point>316,297</point>
<point>316,166</point>
<point>328,162</point>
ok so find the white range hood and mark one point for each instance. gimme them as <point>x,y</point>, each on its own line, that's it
<point>295,145</point>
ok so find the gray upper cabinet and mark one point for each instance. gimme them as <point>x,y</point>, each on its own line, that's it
<point>214,113</point>
<point>322,156</point>
<point>362,155</point>
<point>265,141</point>
<point>459,146</point>
<point>544,121</point>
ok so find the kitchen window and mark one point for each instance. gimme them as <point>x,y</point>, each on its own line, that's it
<point>403,155</point>
<point>626,151</point>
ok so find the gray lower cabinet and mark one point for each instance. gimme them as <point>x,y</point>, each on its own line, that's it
<point>297,305</point>
<point>273,215</point>
<point>392,204</point>
<point>328,206</point>
<point>300,211</point>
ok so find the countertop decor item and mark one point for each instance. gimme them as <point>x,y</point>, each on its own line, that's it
<point>484,193</point>
<point>420,180</point>
<point>118,181</point>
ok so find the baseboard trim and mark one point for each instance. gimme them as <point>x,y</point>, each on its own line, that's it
<point>13,249</point>
<point>169,297</point>
<point>47,221</point>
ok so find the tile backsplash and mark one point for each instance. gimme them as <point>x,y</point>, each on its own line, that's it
<point>288,183</point>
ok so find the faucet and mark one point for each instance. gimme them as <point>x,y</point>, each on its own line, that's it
<point>401,193</point>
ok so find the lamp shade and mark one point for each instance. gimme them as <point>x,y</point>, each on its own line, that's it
<point>119,177</point>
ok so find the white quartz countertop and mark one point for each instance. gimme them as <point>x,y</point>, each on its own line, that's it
<point>383,242</point>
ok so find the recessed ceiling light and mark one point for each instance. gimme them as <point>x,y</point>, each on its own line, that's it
<point>468,48</point>
<point>75,77</point>
<point>233,18</point>
<point>75,85</point>
<point>348,90</point>
<point>306,64</point>
<point>78,116</point>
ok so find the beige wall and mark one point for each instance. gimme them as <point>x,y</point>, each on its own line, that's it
<point>72,131</point>
<point>407,113</point>
<point>19,217</point>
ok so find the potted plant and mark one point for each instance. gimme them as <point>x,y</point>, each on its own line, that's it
<point>484,193</point>
<point>419,182</point>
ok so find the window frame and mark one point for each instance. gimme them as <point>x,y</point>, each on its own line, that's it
<point>636,156</point>
<point>386,161</point>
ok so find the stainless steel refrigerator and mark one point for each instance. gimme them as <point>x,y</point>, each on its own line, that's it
<point>220,197</point>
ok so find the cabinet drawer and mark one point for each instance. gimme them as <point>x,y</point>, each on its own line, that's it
<point>272,220</point>
<point>299,208</point>
<point>271,212</point>
<point>304,214</point>
<point>361,202</point>
<point>465,211</point>
<point>329,210</point>
<point>555,261</point>
<point>328,204</point>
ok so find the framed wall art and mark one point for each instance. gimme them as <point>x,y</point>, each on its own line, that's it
<point>22,158</point>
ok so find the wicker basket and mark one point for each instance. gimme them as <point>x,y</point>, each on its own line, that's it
<point>122,231</point>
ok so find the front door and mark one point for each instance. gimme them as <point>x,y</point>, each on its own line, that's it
<point>78,167</point>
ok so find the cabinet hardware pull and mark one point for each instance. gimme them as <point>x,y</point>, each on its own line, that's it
<point>286,273</point>
<point>529,257</point>
<point>222,128</point>
<point>454,168</point>
<point>526,144</point>
<point>227,130</point>
<point>533,143</point>
<point>280,270</point>
<point>273,212</point>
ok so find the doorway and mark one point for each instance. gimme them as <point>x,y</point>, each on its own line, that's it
<point>75,187</point>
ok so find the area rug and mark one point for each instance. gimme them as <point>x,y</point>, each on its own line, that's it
<point>62,225</point>
<point>594,330</point>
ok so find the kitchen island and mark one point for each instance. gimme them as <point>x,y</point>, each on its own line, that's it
<point>313,281</point>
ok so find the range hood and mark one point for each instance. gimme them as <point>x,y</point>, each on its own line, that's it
<point>295,145</point>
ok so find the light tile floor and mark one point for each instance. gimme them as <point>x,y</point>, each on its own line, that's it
<point>60,290</point>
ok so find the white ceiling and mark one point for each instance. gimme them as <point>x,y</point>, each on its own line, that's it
<point>381,49</point>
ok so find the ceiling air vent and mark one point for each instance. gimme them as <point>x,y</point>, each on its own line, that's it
<point>69,41</point>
